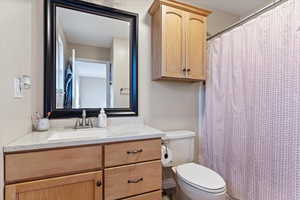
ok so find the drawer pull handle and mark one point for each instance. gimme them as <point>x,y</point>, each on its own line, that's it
<point>136,180</point>
<point>135,151</point>
<point>99,183</point>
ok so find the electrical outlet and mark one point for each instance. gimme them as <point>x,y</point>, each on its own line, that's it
<point>18,88</point>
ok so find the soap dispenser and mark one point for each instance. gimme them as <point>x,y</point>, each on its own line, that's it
<point>102,119</point>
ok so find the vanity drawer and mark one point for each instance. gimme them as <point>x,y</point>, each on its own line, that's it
<point>132,152</point>
<point>56,162</point>
<point>121,182</point>
<point>150,196</point>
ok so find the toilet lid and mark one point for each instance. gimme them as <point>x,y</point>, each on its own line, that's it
<point>201,177</point>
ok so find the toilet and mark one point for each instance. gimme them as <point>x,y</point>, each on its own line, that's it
<point>194,181</point>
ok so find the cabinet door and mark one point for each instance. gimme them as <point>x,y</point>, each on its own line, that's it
<point>173,25</point>
<point>86,186</point>
<point>196,47</point>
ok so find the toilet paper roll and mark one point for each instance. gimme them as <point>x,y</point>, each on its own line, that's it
<point>166,156</point>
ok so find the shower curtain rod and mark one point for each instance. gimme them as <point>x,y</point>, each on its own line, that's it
<point>248,18</point>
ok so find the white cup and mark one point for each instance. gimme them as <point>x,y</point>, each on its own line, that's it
<point>43,125</point>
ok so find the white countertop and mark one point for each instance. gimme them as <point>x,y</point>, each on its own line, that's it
<point>61,137</point>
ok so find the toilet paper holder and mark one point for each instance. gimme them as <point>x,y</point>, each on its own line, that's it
<point>166,155</point>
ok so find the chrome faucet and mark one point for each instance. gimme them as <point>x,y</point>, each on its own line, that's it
<point>83,122</point>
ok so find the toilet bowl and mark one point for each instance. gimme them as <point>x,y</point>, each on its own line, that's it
<point>196,182</point>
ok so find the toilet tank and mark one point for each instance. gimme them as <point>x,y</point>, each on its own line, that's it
<point>182,146</point>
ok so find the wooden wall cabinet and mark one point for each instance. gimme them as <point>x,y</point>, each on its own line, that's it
<point>178,41</point>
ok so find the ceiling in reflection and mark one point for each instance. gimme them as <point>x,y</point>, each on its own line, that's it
<point>93,30</point>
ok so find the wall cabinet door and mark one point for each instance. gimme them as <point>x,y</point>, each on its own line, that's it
<point>178,41</point>
<point>173,42</point>
<point>195,46</point>
<point>87,186</point>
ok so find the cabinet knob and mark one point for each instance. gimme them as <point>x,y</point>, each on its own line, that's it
<point>184,70</point>
<point>136,180</point>
<point>135,151</point>
<point>188,70</point>
<point>98,183</point>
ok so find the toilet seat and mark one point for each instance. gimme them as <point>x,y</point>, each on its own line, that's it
<point>201,178</point>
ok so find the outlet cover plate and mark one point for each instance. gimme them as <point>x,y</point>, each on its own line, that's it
<point>17,88</point>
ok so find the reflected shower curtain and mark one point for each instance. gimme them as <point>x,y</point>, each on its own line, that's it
<point>252,120</point>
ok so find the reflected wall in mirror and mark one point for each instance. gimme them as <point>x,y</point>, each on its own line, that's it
<point>92,61</point>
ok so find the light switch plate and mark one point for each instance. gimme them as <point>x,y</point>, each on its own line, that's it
<point>17,88</point>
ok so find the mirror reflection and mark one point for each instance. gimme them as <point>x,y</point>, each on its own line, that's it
<point>92,61</point>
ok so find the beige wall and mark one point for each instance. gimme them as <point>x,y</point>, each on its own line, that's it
<point>61,34</point>
<point>164,105</point>
<point>218,20</point>
<point>16,51</point>
<point>89,52</point>
<point>120,72</point>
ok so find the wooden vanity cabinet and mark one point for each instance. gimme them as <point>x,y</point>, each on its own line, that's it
<point>178,41</point>
<point>125,170</point>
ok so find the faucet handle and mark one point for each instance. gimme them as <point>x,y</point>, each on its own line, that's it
<point>90,123</point>
<point>83,113</point>
<point>77,123</point>
<point>83,122</point>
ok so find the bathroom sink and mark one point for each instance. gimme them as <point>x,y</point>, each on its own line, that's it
<point>78,134</point>
<point>98,133</point>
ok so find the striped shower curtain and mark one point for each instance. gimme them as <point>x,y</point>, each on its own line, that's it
<point>252,119</point>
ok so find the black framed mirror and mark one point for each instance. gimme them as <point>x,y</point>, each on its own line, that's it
<point>91,60</point>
